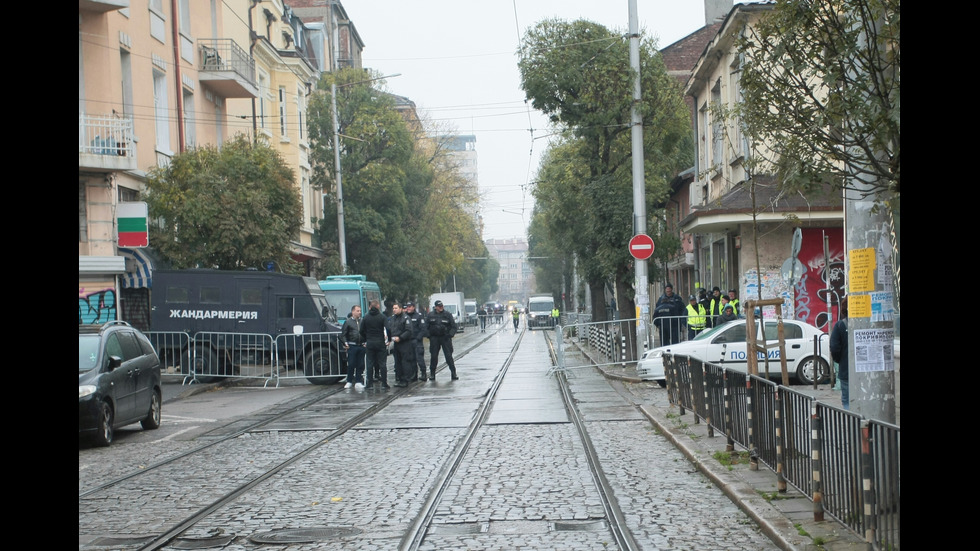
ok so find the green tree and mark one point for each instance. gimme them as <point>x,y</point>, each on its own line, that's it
<point>231,208</point>
<point>821,91</point>
<point>404,199</point>
<point>578,74</point>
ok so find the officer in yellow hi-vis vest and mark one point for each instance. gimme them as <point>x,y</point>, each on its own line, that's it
<point>696,317</point>
<point>555,314</point>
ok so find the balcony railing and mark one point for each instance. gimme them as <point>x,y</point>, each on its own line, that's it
<point>227,67</point>
<point>106,142</point>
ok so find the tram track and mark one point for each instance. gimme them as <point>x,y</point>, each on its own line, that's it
<point>410,538</point>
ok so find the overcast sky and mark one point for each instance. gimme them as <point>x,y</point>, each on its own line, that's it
<point>458,64</point>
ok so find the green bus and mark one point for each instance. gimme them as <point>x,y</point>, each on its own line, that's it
<point>344,291</point>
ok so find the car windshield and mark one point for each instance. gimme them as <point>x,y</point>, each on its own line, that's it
<point>88,352</point>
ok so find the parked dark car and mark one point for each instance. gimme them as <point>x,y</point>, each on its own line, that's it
<point>118,381</point>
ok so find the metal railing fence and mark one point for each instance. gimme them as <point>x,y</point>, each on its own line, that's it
<point>207,356</point>
<point>847,465</point>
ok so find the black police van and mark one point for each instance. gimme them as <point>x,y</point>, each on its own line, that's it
<point>231,318</point>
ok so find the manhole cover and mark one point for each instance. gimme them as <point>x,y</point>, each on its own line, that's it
<point>304,535</point>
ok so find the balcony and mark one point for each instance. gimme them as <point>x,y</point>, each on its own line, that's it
<point>102,6</point>
<point>226,68</point>
<point>105,143</point>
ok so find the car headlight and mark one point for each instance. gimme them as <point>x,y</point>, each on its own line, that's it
<point>85,390</point>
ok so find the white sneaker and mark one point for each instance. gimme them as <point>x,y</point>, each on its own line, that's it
<point>348,385</point>
<point>358,386</point>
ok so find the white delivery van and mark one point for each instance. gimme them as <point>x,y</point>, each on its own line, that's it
<point>453,303</point>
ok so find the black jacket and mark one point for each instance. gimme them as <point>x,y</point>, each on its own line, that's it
<point>440,324</point>
<point>400,326</point>
<point>373,329</point>
<point>350,333</point>
<point>417,321</point>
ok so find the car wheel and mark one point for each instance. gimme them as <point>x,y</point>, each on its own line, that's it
<point>106,417</point>
<point>663,384</point>
<point>318,362</point>
<point>813,368</point>
<point>152,419</point>
<point>205,365</point>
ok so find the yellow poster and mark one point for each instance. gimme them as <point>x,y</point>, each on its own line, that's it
<point>859,306</point>
<point>861,269</point>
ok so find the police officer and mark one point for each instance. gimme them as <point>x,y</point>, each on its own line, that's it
<point>555,314</point>
<point>715,309</point>
<point>442,329</point>
<point>373,333</point>
<point>400,332</point>
<point>696,317</point>
<point>419,333</point>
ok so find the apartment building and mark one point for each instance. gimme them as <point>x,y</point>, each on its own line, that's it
<point>153,83</point>
<point>740,230</point>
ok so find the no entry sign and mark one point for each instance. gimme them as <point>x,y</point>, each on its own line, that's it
<point>641,246</point>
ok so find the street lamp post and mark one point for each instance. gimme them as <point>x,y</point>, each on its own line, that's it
<point>341,233</point>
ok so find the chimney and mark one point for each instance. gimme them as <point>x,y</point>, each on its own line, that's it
<point>716,10</point>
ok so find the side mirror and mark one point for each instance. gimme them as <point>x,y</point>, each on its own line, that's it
<point>114,362</point>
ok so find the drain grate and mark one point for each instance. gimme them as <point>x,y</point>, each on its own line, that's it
<point>111,542</point>
<point>202,543</point>
<point>460,529</point>
<point>304,535</point>
<point>583,526</point>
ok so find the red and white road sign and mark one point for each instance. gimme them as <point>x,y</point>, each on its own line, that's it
<point>641,246</point>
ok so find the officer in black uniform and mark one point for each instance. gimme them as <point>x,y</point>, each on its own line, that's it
<point>417,321</point>
<point>442,328</point>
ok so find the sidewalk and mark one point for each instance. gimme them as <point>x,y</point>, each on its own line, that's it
<point>786,518</point>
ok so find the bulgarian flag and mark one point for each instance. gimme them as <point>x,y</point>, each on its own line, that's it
<point>131,221</point>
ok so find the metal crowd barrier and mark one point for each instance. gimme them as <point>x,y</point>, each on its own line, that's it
<point>847,465</point>
<point>208,356</point>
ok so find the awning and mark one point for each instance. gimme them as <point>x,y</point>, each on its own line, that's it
<point>139,269</point>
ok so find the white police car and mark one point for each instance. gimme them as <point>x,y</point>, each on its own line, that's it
<point>725,346</point>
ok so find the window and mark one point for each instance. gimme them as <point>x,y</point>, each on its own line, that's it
<point>286,307</point>
<point>263,94</point>
<point>178,295</point>
<point>251,296</point>
<point>126,195</point>
<point>126,65</point>
<point>300,109</point>
<point>161,112</point>
<point>158,26</point>
<point>282,112</point>
<point>190,127</point>
<point>82,214</point>
<point>717,127</point>
<point>210,295</point>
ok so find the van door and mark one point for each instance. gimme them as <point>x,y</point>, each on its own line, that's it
<point>252,295</point>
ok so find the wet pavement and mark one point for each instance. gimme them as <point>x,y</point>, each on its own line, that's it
<point>525,473</point>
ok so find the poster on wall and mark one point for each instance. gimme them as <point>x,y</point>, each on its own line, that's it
<point>819,290</point>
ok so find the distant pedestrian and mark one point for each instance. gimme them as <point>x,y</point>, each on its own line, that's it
<point>375,337</point>
<point>350,333</point>
<point>442,329</point>
<point>555,316</point>
<point>839,352</point>
<point>516,314</point>
<point>419,334</point>
<point>483,319</point>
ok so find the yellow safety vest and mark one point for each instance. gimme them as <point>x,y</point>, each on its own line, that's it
<point>695,318</point>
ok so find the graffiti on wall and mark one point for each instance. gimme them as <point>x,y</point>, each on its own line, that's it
<point>96,306</point>
<point>773,286</point>
<point>821,286</point>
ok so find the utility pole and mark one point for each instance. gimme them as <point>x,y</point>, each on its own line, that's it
<point>642,284</point>
<point>870,296</point>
